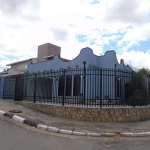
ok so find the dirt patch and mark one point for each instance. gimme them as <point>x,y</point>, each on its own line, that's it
<point>15,111</point>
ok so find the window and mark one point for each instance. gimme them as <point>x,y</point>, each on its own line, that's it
<point>118,88</point>
<point>61,86</point>
<point>68,85</point>
<point>77,85</point>
<point>25,66</point>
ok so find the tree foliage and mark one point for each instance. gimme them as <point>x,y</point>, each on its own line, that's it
<point>144,71</point>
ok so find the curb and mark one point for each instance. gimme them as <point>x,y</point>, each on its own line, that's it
<point>94,134</point>
<point>65,131</point>
<point>53,129</point>
<point>137,134</point>
<point>69,132</point>
<point>19,119</point>
<point>8,115</point>
<point>108,134</point>
<point>79,133</point>
<point>30,123</point>
<point>42,127</point>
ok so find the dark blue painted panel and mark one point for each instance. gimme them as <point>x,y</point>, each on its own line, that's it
<point>1,87</point>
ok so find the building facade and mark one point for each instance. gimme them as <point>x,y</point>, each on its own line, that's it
<point>55,62</point>
<point>86,77</point>
<point>81,76</point>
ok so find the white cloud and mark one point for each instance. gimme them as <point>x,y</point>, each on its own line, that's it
<point>130,12</point>
<point>136,59</point>
<point>16,8</point>
<point>58,22</point>
<point>135,35</point>
<point>59,34</point>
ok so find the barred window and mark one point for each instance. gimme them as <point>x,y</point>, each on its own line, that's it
<point>68,85</point>
<point>77,85</point>
<point>119,88</point>
<point>61,86</point>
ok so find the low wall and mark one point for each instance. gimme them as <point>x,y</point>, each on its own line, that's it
<point>94,114</point>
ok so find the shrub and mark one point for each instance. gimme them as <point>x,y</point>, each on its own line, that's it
<point>137,99</point>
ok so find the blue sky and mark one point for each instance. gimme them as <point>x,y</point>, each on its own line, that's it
<point>102,25</point>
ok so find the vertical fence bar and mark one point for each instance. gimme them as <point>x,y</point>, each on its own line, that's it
<point>87,84</point>
<point>95,86</point>
<point>106,75</point>
<point>35,88</point>
<point>84,63</point>
<point>3,88</point>
<point>3,97</point>
<point>133,88</point>
<point>63,88</point>
<point>115,83</point>
<point>100,87</point>
<point>22,78</point>
<point>108,87</point>
<point>15,89</point>
<point>26,87</point>
<point>90,89</point>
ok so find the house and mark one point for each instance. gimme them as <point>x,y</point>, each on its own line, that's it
<point>48,59</point>
<point>86,77</point>
<point>16,68</point>
<point>114,83</point>
<point>19,67</point>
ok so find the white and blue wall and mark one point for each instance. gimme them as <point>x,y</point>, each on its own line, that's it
<point>108,60</point>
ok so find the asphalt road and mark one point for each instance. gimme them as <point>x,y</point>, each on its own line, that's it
<point>14,137</point>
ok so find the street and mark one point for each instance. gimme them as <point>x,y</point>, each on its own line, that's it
<point>14,137</point>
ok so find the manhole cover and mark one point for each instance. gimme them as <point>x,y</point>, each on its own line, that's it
<point>15,111</point>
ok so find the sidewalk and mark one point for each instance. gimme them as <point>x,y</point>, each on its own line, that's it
<point>70,124</point>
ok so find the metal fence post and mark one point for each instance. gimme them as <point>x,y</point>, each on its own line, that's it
<point>133,88</point>
<point>100,87</point>
<point>35,88</point>
<point>115,82</point>
<point>84,63</point>
<point>4,88</point>
<point>15,89</point>
<point>63,89</point>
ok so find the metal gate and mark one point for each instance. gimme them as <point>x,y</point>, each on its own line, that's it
<point>9,88</point>
<point>19,88</point>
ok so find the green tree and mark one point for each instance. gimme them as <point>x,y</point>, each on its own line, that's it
<point>137,99</point>
<point>145,71</point>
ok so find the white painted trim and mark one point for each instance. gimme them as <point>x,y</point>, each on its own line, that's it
<point>43,127</point>
<point>18,119</point>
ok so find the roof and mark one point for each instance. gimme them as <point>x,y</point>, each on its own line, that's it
<point>65,59</point>
<point>7,75</point>
<point>19,62</point>
<point>51,56</point>
<point>3,74</point>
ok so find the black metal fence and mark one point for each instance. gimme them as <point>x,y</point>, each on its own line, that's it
<point>86,87</point>
<point>149,89</point>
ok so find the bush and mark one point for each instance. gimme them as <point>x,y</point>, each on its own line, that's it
<point>138,99</point>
